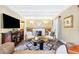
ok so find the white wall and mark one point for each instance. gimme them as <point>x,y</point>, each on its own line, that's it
<point>56,27</point>
<point>70,34</point>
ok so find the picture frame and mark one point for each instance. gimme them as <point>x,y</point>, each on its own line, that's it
<point>68,22</point>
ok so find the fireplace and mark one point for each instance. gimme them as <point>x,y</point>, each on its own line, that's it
<point>38,31</point>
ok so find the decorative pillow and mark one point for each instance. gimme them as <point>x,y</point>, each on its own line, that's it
<point>8,47</point>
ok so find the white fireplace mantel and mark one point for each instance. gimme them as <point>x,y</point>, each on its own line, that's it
<point>39,29</point>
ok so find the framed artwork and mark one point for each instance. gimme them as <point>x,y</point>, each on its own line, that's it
<point>68,22</point>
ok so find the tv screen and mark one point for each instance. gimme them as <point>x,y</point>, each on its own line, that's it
<point>10,22</point>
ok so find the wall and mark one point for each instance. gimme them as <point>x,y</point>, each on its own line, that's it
<point>6,10</point>
<point>22,24</point>
<point>70,34</point>
<point>47,23</point>
<point>56,27</point>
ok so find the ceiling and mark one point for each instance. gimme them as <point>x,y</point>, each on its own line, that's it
<point>38,11</point>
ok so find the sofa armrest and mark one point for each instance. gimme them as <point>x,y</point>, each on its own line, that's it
<point>7,48</point>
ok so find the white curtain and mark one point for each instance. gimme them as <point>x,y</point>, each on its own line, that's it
<point>56,27</point>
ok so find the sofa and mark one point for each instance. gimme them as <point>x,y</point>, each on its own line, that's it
<point>9,48</point>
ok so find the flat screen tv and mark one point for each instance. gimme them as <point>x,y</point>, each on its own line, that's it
<point>10,22</point>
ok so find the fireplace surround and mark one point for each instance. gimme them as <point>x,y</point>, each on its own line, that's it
<point>39,31</point>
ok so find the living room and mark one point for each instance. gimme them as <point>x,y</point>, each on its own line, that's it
<point>42,30</point>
